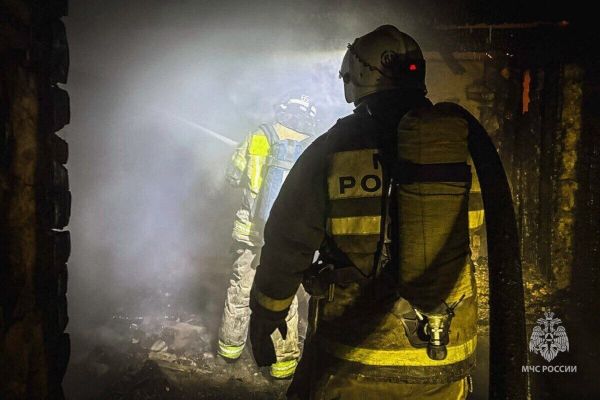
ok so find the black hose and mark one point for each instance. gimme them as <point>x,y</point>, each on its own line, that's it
<point>507,309</point>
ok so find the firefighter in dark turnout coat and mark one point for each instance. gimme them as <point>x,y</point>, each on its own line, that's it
<point>383,196</point>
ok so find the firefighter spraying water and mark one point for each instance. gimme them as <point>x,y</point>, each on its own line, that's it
<point>259,167</point>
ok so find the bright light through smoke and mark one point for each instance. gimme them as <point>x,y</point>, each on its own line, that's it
<point>151,211</point>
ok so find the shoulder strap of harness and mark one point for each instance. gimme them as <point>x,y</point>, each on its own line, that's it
<point>273,137</point>
<point>399,172</point>
<point>406,172</point>
<point>270,132</point>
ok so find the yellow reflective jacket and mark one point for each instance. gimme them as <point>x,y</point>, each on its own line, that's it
<point>333,195</point>
<point>246,170</point>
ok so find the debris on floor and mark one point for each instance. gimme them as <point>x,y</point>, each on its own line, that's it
<point>166,358</point>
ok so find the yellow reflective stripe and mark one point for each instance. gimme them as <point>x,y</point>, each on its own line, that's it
<point>464,388</point>
<point>239,161</point>
<point>231,352</point>
<point>369,225</point>
<point>400,358</point>
<point>476,218</point>
<point>283,369</point>
<point>475,186</point>
<point>258,150</point>
<point>259,145</point>
<point>272,304</point>
<point>242,228</point>
<point>254,172</point>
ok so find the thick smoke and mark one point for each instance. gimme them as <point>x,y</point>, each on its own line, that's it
<point>151,214</point>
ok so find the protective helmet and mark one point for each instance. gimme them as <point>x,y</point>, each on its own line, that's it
<point>382,60</point>
<point>297,113</point>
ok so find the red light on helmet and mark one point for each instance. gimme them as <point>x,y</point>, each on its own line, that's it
<point>412,67</point>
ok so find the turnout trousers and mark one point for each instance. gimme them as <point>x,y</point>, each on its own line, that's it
<point>236,317</point>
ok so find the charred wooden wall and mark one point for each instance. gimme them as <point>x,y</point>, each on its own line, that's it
<point>539,98</point>
<point>34,199</point>
<point>550,148</point>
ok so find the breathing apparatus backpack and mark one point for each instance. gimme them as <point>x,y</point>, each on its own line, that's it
<point>428,181</point>
<point>283,154</point>
<point>429,187</point>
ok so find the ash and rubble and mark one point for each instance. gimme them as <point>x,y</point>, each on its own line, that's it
<point>166,355</point>
<point>153,347</point>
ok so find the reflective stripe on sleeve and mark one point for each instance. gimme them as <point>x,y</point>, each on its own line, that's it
<point>254,171</point>
<point>398,358</point>
<point>369,225</point>
<point>258,150</point>
<point>271,304</point>
<point>239,160</point>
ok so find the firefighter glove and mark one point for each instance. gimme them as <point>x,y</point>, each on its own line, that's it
<point>260,337</point>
